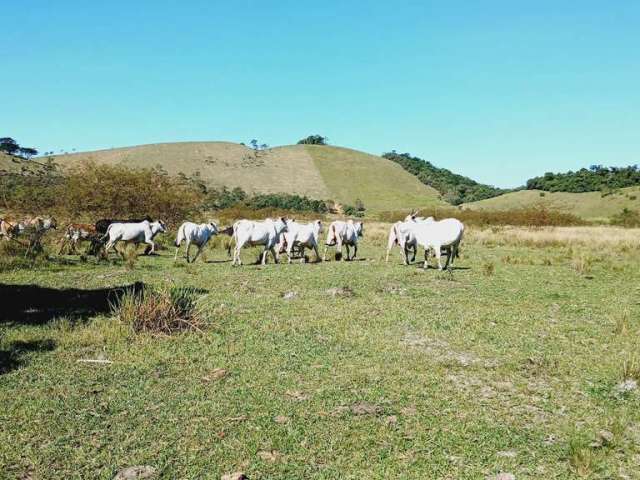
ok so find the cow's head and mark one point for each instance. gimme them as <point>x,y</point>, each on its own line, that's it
<point>359,228</point>
<point>213,227</point>
<point>318,225</point>
<point>281,224</point>
<point>159,226</point>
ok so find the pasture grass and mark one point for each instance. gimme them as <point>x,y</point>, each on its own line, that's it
<point>336,370</point>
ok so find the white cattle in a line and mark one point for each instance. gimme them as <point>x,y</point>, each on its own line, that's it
<point>252,233</point>
<point>437,235</point>
<point>400,234</point>
<point>198,235</point>
<point>344,233</point>
<point>301,236</point>
<point>140,232</point>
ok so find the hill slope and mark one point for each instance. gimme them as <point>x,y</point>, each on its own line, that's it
<point>320,172</point>
<point>15,165</point>
<point>588,205</point>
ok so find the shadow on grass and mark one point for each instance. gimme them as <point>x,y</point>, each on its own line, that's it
<point>14,356</point>
<point>35,305</point>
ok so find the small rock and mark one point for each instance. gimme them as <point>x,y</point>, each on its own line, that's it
<point>364,408</point>
<point>281,419</point>
<point>289,295</point>
<point>135,473</point>
<point>503,476</point>
<point>391,420</point>
<point>234,476</point>
<point>269,455</point>
<point>629,385</point>
<point>603,438</point>
<point>341,292</point>
<point>296,395</point>
<point>216,374</point>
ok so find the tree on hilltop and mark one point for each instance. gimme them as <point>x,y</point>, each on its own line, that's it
<point>314,140</point>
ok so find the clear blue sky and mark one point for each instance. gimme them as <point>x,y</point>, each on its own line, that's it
<point>496,90</point>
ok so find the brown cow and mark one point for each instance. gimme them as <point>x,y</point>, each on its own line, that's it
<point>76,233</point>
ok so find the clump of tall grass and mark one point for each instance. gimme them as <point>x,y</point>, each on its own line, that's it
<point>161,311</point>
<point>582,263</point>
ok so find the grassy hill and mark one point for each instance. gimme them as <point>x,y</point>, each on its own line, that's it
<point>10,164</point>
<point>321,172</point>
<point>588,205</point>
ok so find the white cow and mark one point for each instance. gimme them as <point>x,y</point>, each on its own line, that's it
<point>141,232</point>
<point>192,233</point>
<point>302,236</point>
<point>344,233</point>
<point>445,233</point>
<point>400,234</point>
<point>249,232</point>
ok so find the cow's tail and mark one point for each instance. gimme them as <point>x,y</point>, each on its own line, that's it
<point>331,236</point>
<point>106,235</point>
<point>180,236</point>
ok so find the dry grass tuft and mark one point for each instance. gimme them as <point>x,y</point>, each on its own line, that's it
<point>164,311</point>
<point>488,269</point>
<point>624,239</point>
<point>582,263</point>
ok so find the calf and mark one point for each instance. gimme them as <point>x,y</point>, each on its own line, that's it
<point>198,235</point>
<point>344,233</point>
<point>76,233</point>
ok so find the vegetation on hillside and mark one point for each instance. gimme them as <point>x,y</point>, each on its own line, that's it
<point>593,179</point>
<point>314,140</point>
<point>10,146</point>
<point>455,189</point>
<point>100,190</point>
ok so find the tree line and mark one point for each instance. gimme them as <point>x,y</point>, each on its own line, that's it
<point>593,179</point>
<point>455,189</point>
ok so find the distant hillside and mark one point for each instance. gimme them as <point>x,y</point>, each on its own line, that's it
<point>588,205</point>
<point>320,172</point>
<point>455,189</point>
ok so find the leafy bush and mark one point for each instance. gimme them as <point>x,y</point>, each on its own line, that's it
<point>286,201</point>
<point>454,188</point>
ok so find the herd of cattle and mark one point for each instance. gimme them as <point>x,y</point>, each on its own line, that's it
<point>278,236</point>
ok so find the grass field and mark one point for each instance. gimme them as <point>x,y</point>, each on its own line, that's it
<point>323,173</point>
<point>588,205</point>
<point>512,364</point>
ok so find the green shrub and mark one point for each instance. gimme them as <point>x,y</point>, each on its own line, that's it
<point>626,218</point>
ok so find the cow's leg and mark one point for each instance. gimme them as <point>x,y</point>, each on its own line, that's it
<point>415,251</point>
<point>438,253</point>
<point>175,258</point>
<point>197,253</point>
<point>348,252</point>
<point>324,255</point>
<point>426,258</point>
<point>264,256</point>
<point>355,251</point>
<point>274,254</point>
<point>315,249</point>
